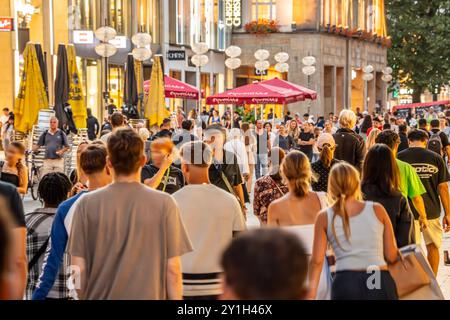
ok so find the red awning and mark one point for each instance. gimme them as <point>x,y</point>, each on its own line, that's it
<point>176,89</point>
<point>422,105</point>
<point>308,93</point>
<point>256,93</point>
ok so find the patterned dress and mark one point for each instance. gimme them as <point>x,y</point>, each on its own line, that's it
<point>267,189</point>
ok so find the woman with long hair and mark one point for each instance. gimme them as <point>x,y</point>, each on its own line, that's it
<point>76,176</point>
<point>269,187</point>
<point>321,168</point>
<point>381,183</point>
<point>13,170</point>
<point>362,239</point>
<point>365,125</point>
<point>298,209</point>
<point>249,140</point>
<point>372,137</point>
<point>294,131</point>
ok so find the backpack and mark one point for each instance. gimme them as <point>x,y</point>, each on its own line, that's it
<point>435,143</point>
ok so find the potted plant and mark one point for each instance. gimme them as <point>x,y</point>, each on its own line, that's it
<point>262,26</point>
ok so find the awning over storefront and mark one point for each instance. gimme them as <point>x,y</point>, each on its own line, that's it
<point>256,93</point>
<point>176,89</point>
<point>422,105</point>
<point>276,82</point>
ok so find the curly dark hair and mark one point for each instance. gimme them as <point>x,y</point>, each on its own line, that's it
<point>53,189</point>
<point>389,138</point>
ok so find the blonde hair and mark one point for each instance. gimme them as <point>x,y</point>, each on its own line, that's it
<point>371,139</point>
<point>347,119</point>
<point>296,171</point>
<point>343,183</point>
<point>294,133</point>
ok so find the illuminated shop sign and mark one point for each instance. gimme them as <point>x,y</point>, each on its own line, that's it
<point>6,24</point>
<point>233,13</point>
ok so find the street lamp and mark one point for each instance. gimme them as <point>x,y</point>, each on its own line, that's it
<point>367,76</point>
<point>261,65</point>
<point>386,78</point>
<point>200,59</point>
<point>105,50</point>
<point>232,63</point>
<point>309,69</point>
<point>282,67</point>
<point>141,53</point>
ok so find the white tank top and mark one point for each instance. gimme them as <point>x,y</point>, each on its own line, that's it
<point>365,247</point>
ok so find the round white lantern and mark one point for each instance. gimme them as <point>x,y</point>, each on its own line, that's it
<point>386,78</point>
<point>309,61</point>
<point>387,70</point>
<point>262,54</point>
<point>281,57</point>
<point>105,50</point>
<point>233,51</point>
<point>200,60</point>
<point>368,69</point>
<point>282,67</point>
<point>200,48</point>
<point>141,40</point>
<point>367,76</point>
<point>309,70</point>
<point>233,63</point>
<point>142,54</point>
<point>105,34</point>
<point>262,65</point>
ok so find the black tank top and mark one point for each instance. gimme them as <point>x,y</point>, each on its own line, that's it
<point>8,177</point>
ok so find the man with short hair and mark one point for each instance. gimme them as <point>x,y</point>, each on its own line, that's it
<point>211,231</point>
<point>54,140</point>
<point>127,239</point>
<point>423,125</point>
<point>265,264</point>
<point>224,172</point>
<point>93,126</point>
<point>165,130</point>
<point>434,175</point>
<point>436,133</point>
<point>117,121</point>
<point>185,136</point>
<point>93,165</point>
<point>402,133</point>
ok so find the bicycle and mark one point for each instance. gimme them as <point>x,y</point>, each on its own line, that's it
<point>33,179</point>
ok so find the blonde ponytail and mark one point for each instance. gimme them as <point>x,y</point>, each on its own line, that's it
<point>344,182</point>
<point>297,173</point>
<point>326,155</point>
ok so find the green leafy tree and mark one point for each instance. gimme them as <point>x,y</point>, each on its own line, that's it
<point>420,53</point>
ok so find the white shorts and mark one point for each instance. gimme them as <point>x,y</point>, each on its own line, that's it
<point>432,234</point>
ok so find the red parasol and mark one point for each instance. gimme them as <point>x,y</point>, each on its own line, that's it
<point>256,93</point>
<point>308,93</point>
<point>176,89</point>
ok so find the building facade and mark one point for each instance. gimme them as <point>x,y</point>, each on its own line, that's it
<point>343,35</point>
<point>173,24</point>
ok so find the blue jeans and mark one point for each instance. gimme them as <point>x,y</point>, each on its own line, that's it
<point>262,165</point>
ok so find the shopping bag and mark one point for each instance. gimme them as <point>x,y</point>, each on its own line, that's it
<point>432,291</point>
<point>408,274</point>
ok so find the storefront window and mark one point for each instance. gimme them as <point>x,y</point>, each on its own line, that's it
<point>118,11</point>
<point>148,18</point>
<point>116,84</point>
<point>264,9</point>
<point>82,15</point>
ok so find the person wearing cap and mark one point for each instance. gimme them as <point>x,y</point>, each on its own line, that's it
<point>321,168</point>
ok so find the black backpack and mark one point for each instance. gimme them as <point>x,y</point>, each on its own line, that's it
<point>435,143</point>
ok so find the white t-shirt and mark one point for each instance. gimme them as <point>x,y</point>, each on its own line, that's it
<point>238,148</point>
<point>210,216</point>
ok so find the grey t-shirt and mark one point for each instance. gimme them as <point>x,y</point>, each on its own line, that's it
<point>126,232</point>
<point>52,143</point>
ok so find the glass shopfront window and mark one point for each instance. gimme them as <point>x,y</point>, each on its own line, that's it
<point>148,18</point>
<point>264,9</point>
<point>118,11</point>
<point>202,20</point>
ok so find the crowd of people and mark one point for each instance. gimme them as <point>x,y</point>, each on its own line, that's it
<point>160,213</point>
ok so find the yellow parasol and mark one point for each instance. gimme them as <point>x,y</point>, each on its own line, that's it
<point>32,96</point>
<point>76,98</point>
<point>155,109</point>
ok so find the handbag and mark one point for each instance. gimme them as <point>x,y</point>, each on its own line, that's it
<point>408,274</point>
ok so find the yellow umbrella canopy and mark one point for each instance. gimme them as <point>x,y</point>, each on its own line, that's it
<point>155,109</point>
<point>32,96</point>
<point>76,98</point>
